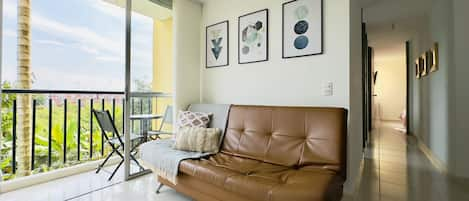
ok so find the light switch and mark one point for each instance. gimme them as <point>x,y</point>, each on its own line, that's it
<point>328,89</point>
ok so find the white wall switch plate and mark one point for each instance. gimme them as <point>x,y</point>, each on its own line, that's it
<point>328,89</point>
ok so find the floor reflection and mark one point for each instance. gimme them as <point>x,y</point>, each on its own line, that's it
<point>396,170</point>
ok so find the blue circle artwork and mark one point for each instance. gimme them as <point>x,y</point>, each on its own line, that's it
<point>301,27</point>
<point>301,42</point>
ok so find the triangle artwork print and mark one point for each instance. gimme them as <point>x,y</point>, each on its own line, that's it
<point>216,49</point>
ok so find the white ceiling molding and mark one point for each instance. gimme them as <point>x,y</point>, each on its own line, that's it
<point>147,8</point>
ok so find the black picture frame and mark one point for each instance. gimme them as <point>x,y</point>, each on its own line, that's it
<point>228,44</point>
<point>267,38</point>
<point>283,32</point>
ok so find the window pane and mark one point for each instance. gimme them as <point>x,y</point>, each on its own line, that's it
<point>75,44</point>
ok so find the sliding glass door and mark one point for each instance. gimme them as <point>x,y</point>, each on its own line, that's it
<point>60,60</point>
<point>148,76</point>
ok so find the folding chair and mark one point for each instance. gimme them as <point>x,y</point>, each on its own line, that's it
<point>167,119</point>
<point>117,144</point>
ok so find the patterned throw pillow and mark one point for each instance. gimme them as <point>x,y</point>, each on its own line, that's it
<point>196,139</point>
<point>193,119</point>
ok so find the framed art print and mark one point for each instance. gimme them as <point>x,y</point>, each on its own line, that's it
<point>434,56</point>
<point>217,45</point>
<point>302,28</point>
<point>253,37</point>
<point>429,60</point>
<point>423,65</point>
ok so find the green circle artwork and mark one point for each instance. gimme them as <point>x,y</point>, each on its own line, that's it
<point>301,12</point>
<point>252,36</point>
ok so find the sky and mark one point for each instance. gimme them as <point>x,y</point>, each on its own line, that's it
<point>78,45</point>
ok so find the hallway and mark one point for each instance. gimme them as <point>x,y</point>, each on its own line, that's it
<point>396,170</point>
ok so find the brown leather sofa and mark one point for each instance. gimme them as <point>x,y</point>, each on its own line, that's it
<point>272,154</point>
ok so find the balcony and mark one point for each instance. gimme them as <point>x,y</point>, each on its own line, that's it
<point>77,45</point>
<point>64,133</point>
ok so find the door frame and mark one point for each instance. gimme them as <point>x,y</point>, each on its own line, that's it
<point>365,90</point>
<point>128,95</point>
<point>128,82</point>
<point>408,76</point>
<point>370,82</point>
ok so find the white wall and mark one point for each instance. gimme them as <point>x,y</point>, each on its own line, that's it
<point>391,85</point>
<point>279,81</point>
<point>431,93</point>
<point>293,82</point>
<point>440,100</point>
<point>187,20</point>
<point>355,152</point>
<point>459,163</point>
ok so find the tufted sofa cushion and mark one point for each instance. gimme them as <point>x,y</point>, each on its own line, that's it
<point>256,180</point>
<point>288,136</point>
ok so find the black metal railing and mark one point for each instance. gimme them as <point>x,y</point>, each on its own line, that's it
<point>69,107</point>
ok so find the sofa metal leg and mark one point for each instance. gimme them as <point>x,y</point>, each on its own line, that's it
<point>159,188</point>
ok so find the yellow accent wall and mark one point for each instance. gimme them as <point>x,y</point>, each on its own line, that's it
<point>162,64</point>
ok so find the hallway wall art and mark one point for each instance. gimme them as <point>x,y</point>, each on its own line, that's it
<point>434,56</point>
<point>417,68</point>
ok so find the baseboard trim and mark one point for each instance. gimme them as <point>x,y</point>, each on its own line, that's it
<point>359,180</point>
<point>351,195</point>
<point>437,163</point>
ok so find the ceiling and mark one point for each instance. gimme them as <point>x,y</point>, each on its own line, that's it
<point>392,22</point>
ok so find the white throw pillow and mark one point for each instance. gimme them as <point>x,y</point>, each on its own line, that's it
<point>196,139</point>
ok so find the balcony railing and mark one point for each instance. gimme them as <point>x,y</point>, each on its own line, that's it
<point>63,129</point>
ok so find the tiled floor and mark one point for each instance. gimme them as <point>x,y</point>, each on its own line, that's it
<point>142,189</point>
<point>90,186</point>
<point>65,188</point>
<point>394,170</point>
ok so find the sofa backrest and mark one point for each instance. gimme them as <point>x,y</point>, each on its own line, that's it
<point>288,136</point>
<point>219,117</point>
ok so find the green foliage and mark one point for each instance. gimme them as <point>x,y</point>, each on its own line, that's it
<point>6,131</point>
<point>41,150</point>
<point>7,114</point>
<point>141,85</point>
